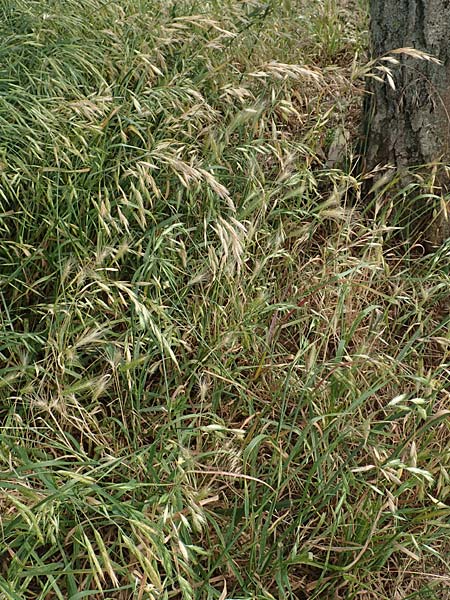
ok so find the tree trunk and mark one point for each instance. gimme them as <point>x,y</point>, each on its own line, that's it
<point>410,125</point>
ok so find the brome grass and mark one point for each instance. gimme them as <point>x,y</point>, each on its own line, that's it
<point>223,373</point>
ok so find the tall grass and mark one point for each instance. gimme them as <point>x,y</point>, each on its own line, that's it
<point>222,375</point>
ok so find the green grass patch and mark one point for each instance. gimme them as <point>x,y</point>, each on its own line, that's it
<point>222,376</point>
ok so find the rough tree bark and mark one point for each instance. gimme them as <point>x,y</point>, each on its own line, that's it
<point>410,125</point>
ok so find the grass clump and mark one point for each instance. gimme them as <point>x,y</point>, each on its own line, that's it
<point>220,376</point>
